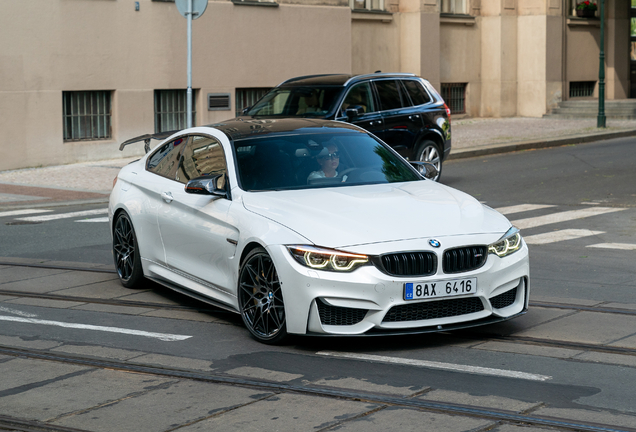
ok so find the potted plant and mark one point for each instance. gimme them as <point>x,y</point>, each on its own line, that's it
<point>586,9</point>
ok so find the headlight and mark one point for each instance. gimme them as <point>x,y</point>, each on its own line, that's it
<point>509,243</point>
<point>327,259</point>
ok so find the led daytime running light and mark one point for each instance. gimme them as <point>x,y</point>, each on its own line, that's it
<point>508,245</point>
<point>327,259</point>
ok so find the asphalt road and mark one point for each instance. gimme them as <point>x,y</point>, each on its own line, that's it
<point>572,357</point>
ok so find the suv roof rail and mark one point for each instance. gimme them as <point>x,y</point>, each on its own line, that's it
<point>303,77</point>
<point>380,74</point>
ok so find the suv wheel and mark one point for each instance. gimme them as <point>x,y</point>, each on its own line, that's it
<point>429,152</point>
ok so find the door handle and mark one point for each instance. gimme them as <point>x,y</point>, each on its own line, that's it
<point>167,197</point>
<point>414,116</point>
<point>372,122</point>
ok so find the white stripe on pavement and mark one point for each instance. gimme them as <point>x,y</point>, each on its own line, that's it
<point>160,336</point>
<point>621,246</point>
<point>17,312</point>
<point>562,235</point>
<point>521,208</point>
<point>101,219</point>
<point>437,365</point>
<point>63,215</point>
<point>563,217</point>
<point>23,212</point>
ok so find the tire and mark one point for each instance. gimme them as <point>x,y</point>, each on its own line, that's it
<point>428,151</point>
<point>126,252</point>
<point>261,298</point>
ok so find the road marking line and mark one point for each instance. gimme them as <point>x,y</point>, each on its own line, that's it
<point>160,336</point>
<point>438,365</point>
<point>622,246</point>
<point>17,312</point>
<point>521,208</point>
<point>562,235</point>
<point>563,217</point>
<point>101,219</point>
<point>63,215</point>
<point>23,212</point>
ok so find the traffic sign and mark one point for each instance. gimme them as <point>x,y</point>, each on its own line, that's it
<point>198,7</point>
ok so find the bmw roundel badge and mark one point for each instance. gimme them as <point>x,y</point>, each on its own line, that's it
<point>434,243</point>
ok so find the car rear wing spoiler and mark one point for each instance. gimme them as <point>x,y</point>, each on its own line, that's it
<point>146,139</point>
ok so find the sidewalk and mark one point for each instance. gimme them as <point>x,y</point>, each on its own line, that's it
<point>92,181</point>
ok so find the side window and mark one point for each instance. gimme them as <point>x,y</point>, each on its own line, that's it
<point>416,92</point>
<point>165,160</point>
<point>389,94</point>
<point>359,95</point>
<point>202,156</point>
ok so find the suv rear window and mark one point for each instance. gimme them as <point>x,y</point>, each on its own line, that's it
<point>418,95</point>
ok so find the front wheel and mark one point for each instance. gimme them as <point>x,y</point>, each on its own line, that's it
<point>126,252</point>
<point>429,152</point>
<point>261,298</point>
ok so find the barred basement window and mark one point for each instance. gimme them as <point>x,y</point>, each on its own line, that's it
<point>247,97</point>
<point>87,115</point>
<point>372,5</point>
<point>582,88</point>
<point>170,110</point>
<point>454,95</point>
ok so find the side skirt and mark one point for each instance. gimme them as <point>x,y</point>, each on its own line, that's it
<point>192,294</point>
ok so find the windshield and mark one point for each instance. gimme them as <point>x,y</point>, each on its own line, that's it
<point>309,160</point>
<point>306,101</point>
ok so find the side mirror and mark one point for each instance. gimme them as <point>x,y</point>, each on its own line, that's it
<point>353,112</point>
<point>427,169</point>
<point>245,110</point>
<point>208,185</point>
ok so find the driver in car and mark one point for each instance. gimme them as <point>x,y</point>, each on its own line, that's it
<point>328,159</point>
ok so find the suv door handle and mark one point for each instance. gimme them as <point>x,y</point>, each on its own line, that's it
<point>414,116</point>
<point>167,197</point>
<point>372,122</point>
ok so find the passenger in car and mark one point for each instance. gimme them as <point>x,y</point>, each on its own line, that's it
<point>328,159</point>
<point>309,104</point>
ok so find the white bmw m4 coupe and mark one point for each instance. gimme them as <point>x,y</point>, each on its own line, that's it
<point>313,227</point>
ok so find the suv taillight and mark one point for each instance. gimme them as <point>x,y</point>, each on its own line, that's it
<point>448,111</point>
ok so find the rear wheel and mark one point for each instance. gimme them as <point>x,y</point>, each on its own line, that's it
<point>429,152</point>
<point>261,298</point>
<point>126,252</point>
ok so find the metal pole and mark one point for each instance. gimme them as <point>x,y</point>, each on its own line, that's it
<point>189,91</point>
<point>601,73</point>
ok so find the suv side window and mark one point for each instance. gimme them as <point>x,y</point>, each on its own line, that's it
<point>165,160</point>
<point>359,95</point>
<point>389,94</point>
<point>416,91</point>
<point>202,156</point>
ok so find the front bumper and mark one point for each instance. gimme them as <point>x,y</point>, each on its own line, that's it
<point>369,302</point>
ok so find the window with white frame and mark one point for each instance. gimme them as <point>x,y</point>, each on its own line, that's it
<point>371,5</point>
<point>87,115</point>
<point>456,7</point>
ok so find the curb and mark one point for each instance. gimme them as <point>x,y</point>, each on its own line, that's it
<point>492,149</point>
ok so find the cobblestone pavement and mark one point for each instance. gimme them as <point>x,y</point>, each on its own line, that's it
<point>468,134</point>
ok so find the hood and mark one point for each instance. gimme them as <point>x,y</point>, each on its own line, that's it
<point>355,215</point>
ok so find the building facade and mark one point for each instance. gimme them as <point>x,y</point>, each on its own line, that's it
<point>77,77</point>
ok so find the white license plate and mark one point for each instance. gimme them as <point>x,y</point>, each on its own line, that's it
<point>436,289</point>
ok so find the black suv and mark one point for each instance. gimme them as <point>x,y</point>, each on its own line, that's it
<point>403,110</point>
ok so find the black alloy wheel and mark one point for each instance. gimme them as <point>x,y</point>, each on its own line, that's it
<point>429,152</point>
<point>261,298</point>
<point>126,252</point>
